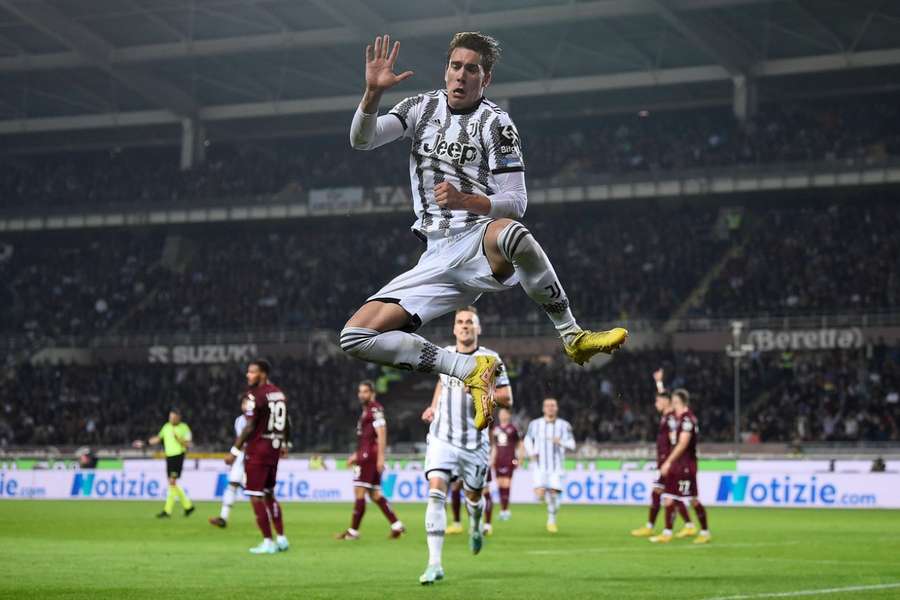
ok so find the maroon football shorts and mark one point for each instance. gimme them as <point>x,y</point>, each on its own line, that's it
<point>260,478</point>
<point>504,469</point>
<point>681,482</point>
<point>365,474</point>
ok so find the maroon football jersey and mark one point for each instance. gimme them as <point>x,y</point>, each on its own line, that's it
<point>371,418</point>
<point>688,423</point>
<point>666,437</point>
<point>269,407</point>
<point>506,440</point>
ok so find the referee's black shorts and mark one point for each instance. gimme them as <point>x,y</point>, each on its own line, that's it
<point>174,464</point>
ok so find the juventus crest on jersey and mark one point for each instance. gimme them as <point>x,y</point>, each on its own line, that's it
<point>454,419</point>
<point>466,147</point>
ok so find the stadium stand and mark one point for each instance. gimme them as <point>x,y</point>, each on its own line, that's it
<point>863,130</point>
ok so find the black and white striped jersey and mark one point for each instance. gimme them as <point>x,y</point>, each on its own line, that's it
<point>454,418</point>
<point>539,440</point>
<point>467,148</point>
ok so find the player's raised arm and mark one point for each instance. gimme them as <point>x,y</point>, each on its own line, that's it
<point>369,131</point>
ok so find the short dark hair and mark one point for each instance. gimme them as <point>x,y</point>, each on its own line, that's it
<point>683,395</point>
<point>175,410</point>
<point>485,45</point>
<point>263,365</point>
<point>664,394</point>
<point>368,383</point>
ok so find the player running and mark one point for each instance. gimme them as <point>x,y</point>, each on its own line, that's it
<point>456,446</point>
<point>666,438</point>
<point>468,184</point>
<point>506,455</point>
<point>176,439</point>
<point>546,443</point>
<point>680,471</point>
<point>368,463</point>
<point>266,435</point>
<point>235,475</point>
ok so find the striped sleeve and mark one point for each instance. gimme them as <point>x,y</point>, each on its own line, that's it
<point>504,148</point>
<point>407,111</point>
<point>529,438</point>
<point>502,375</point>
<point>566,439</point>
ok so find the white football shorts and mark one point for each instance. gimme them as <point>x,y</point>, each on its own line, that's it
<point>452,273</point>
<point>469,465</point>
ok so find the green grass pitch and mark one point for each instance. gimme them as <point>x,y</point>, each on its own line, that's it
<point>94,550</point>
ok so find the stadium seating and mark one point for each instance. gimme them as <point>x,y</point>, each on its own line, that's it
<point>802,397</point>
<point>858,130</point>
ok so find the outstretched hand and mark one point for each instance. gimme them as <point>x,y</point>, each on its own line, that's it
<point>380,61</point>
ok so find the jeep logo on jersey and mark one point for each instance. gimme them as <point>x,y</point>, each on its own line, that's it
<point>455,151</point>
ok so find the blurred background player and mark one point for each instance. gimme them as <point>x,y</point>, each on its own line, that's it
<point>456,446</point>
<point>546,442</point>
<point>368,463</point>
<point>266,435</point>
<point>666,438</point>
<point>506,454</point>
<point>680,471</point>
<point>176,438</point>
<point>455,505</point>
<point>235,474</point>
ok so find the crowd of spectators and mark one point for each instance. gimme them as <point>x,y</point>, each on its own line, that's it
<point>115,404</point>
<point>839,395</point>
<point>859,130</point>
<point>616,262</point>
<point>844,396</point>
<point>269,276</point>
<point>75,283</point>
<point>843,259</point>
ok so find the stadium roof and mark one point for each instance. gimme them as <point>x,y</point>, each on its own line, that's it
<point>134,65</point>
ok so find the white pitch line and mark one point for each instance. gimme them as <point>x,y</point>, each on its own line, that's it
<point>606,549</point>
<point>852,588</point>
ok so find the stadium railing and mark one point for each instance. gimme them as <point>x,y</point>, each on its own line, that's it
<point>571,187</point>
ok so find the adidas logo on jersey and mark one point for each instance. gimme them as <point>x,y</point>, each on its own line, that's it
<point>455,151</point>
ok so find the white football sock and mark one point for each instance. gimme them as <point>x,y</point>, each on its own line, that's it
<point>435,525</point>
<point>227,500</point>
<point>537,276</point>
<point>404,351</point>
<point>475,510</point>
<point>552,501</point>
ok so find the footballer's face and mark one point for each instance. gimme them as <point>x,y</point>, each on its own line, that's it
<point>174,418</point>
<point>504,416</point>
<point>365,394</point>
<point>551,408</point>
<point>465,78</point>
<point>663,404</point>
<point>254,375</point>
<point>678,405</point>
<point>466,327</point>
